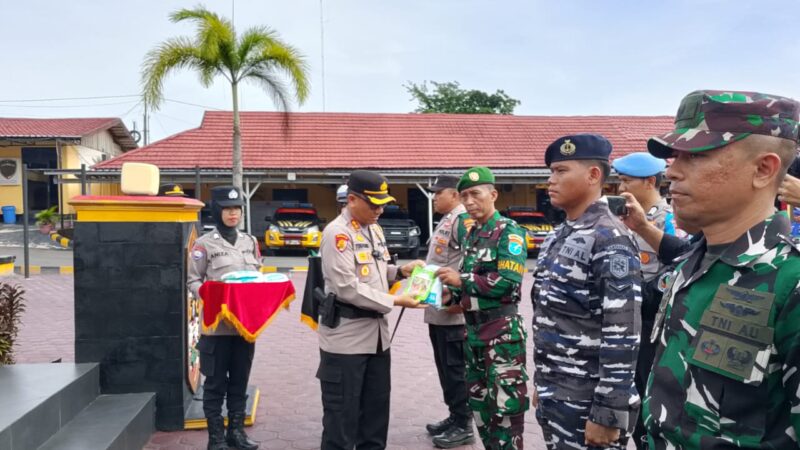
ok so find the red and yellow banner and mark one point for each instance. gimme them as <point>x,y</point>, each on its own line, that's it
<point>249,307</point>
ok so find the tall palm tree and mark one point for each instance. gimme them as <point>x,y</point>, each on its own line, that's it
<point>258,56</point>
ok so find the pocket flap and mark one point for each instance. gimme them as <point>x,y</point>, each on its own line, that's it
<point>330,374</point>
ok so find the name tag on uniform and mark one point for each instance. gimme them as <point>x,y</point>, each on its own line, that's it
<point>578,248</point>
<point>735,339</point>
<point>364,256</point>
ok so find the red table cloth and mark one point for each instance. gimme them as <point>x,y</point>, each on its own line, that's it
<point>249,307</point>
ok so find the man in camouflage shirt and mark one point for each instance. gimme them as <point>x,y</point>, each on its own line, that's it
<point>726,369</point>
<point>587,300</point>
<point>488,290</point>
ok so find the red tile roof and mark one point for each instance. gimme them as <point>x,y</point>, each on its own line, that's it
<point>75,128</point>
<point>384,141</point>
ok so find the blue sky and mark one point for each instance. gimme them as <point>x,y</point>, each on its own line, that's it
<point>565,57</point>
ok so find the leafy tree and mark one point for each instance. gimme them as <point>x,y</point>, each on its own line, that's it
<point>450,98</point>
<point>258,56</point>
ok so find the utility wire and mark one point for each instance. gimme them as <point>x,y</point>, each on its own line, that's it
<point>68,98</point>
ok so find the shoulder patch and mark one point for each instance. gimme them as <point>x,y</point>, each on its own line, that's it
<point>515,244</point>
<point>618,266</point>
<point>341,242</point>
<point>198,252</point>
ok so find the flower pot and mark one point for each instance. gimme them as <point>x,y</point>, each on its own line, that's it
<point>46,229</point>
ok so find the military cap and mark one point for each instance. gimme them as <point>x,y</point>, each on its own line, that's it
<point>475,176</point>
<point>712,119</point>
<point>639,164</point>
<point>171,190</point>
<point>578,147</point>
<point>372,186</point>
<point>443,182</point>
<point>226,196</point>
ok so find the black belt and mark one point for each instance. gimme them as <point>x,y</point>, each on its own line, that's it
<point>349,311</point>
<point>483,316</point>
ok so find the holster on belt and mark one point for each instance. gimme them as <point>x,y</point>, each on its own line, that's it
<point>328,313</point>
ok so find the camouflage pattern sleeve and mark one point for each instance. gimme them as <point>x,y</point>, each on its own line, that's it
<point>617,272</point>
<point>787,343</point>
<point>500,280</point>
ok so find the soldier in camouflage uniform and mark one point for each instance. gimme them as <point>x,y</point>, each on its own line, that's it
<point>726,369</point>
<point>587,300</point>
<point>488,290</point>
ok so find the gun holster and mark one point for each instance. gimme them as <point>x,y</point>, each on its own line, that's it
<point>328,312</point>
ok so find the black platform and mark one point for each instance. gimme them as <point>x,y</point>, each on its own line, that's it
<point>57,406</point>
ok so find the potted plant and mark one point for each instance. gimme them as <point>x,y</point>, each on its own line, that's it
<point>47,219</point>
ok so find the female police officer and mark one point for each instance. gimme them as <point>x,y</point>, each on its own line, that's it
<point>225,357</point>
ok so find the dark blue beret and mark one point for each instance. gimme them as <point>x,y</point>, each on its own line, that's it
<point>578,146</point>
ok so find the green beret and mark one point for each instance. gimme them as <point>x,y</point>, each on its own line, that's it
<point>475,177</point>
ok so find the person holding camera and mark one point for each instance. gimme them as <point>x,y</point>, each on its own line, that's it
<point>354,367</point>
<point>640,176</point>
<point>587,299</point>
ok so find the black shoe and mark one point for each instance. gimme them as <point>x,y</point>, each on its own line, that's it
<point>455,436</point>
<point>216,434</point>
<point>440,427</point>
<point>236,436</point>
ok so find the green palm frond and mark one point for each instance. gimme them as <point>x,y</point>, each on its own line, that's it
<point>215,34</point>
<point>175,53</point>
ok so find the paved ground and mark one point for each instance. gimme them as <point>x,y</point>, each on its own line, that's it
<point>11,235</point>
<point>290,412</point>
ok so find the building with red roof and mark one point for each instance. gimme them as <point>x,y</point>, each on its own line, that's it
<point>304,156</point>
<point>55,144</point>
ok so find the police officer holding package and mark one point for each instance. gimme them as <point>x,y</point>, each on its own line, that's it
<point>225,356</point>
<point>446,327</point>
<point>488,289</point>
<point>640,176</point>
<point>587,299</point>
<point>354,367</point>
<point>727,368</point>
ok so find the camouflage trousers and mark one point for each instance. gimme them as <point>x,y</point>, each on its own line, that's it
<point>564,425</point>
<point>496,380</point>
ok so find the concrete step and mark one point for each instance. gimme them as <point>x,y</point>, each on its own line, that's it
<point>111,422</point>
<point>37,400</point>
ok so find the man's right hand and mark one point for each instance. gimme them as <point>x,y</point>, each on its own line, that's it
<point>408,301</point>
<point>636,220</point>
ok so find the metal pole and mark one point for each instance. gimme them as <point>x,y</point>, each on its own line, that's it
<point>247,195</point>
<point>83,179</point>
<point>429,196</point>
<point>60,185</point>
<point>26,256</point>
<point>197,182</point>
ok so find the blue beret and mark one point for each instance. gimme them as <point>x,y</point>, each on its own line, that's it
<point>578,146</point>
<point>640,165</point>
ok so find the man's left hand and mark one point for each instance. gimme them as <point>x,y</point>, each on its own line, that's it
<point>600,435</point>
<point>449,277</point>
<point>406,269</point>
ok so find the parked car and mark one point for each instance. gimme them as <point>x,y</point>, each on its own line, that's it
<point>293,226</point>
<point>402,233</point>
<point>535,223</point>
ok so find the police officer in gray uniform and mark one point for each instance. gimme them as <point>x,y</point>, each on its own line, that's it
<point>446,327</point>
<point>225,357</point>
<point>640,176</point>
<point>587,300</point>
<point>354,367</point>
